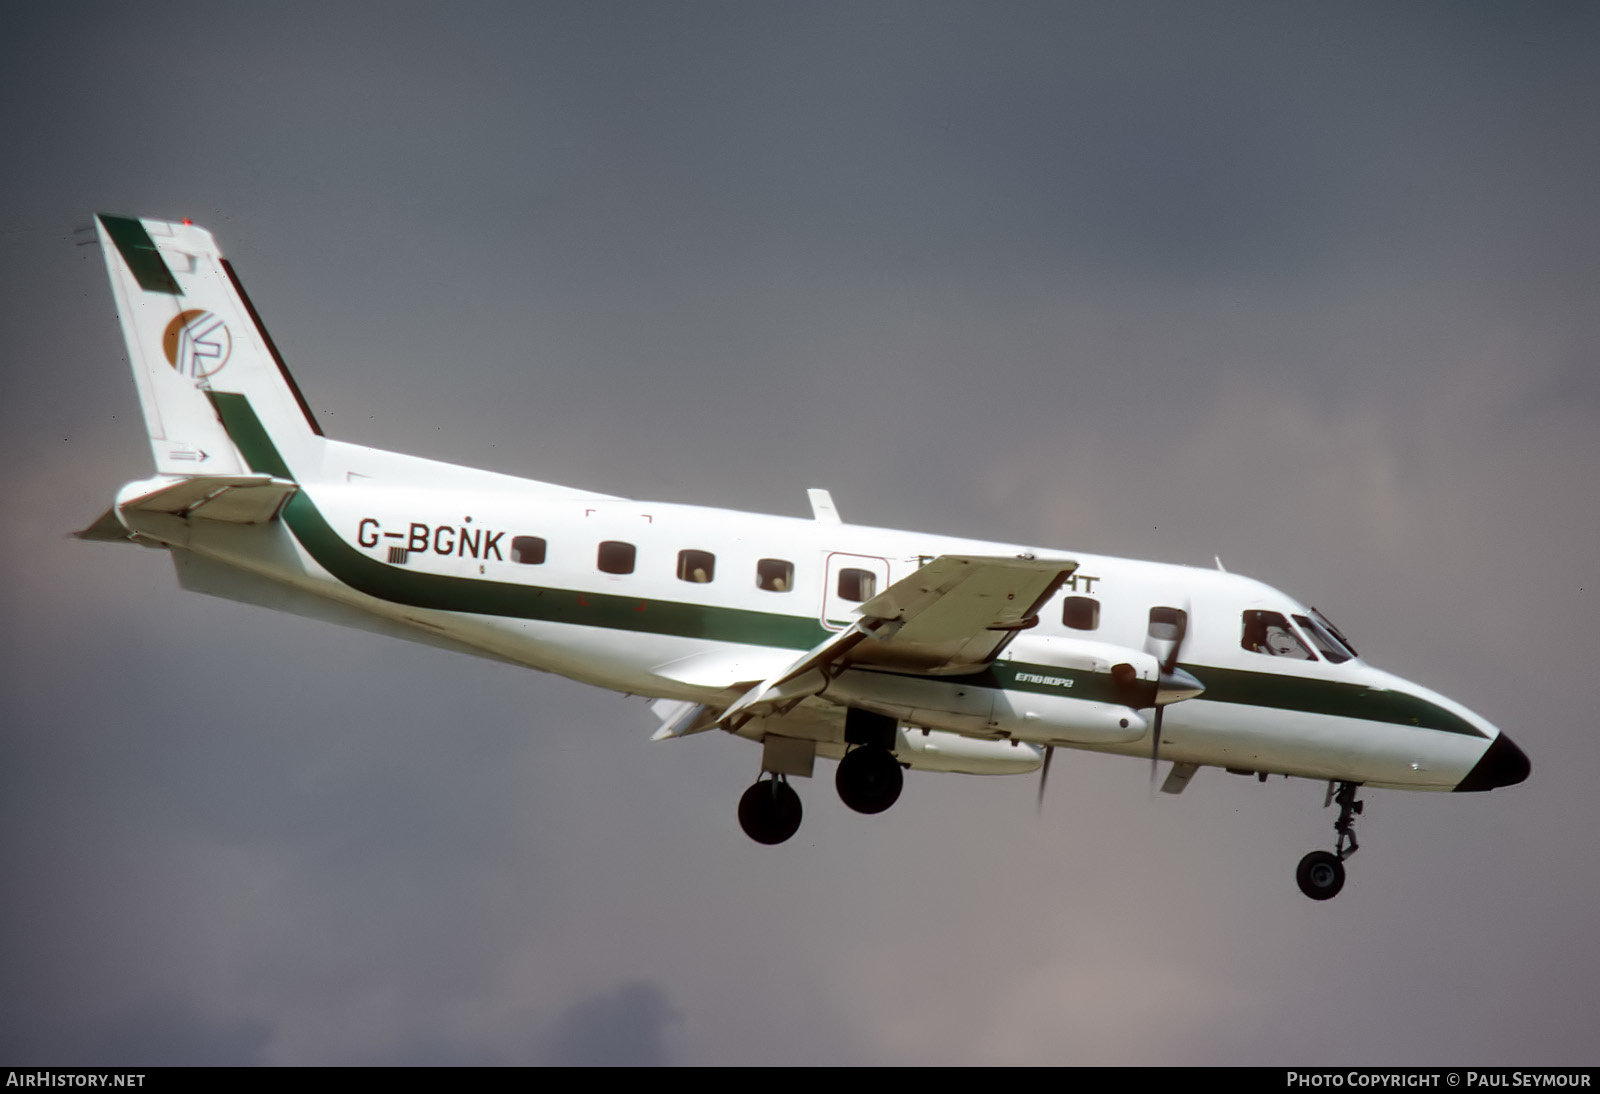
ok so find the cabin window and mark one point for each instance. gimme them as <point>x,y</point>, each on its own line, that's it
<point>1167,624</point>
<point>775,575</point>
<point>857,585</point>
<point>698,567</point>
<point>1326,644</point>
<point>528,550</point>
<point>1271,634</point>
<point>616,557</point>
<point>1081,613</point>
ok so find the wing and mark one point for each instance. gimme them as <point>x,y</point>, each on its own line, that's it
<point>951,617</point>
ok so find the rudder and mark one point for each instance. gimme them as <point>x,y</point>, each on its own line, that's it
<point>191,330</point>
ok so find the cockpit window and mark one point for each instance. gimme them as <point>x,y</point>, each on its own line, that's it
<point>1271,634</point>
<point>1326,644</point>
<point>1338,635</point>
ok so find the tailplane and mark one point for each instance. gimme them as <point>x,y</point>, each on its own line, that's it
<point>192,335</point>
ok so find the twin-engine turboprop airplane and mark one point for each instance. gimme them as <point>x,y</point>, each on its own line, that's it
<point>880,649</point>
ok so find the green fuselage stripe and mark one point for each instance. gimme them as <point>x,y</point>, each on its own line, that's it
<point>138,250</point>
<point>1332,697</point>
<point>482,596</point>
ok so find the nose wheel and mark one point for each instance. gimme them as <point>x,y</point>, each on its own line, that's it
<point>1321,873</point>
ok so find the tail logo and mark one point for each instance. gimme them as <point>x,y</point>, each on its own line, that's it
<point>197,343</point>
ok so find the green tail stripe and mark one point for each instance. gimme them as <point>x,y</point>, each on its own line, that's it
<point>482,596</point>
<point>138,250</point>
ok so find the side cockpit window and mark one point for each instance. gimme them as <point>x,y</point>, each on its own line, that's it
<point>1271,634</point>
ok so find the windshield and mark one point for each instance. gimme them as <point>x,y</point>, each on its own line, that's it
<point>1338,635</point>
<point>1329,646</point>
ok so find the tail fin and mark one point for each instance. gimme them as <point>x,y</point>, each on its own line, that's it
<point>192,334</point>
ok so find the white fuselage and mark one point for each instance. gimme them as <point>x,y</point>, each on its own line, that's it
<point>430,550</point>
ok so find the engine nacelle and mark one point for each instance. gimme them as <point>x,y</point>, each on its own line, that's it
<point>934,750</point>
<point>1043,689</point>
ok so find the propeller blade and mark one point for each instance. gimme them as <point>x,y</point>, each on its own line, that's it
<point>1155,747</point>
<point>1044,773</point>
<point>1172,679</point>
<point>1171,660</point>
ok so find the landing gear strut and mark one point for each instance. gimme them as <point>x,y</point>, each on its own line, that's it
<point>769,812</point>
<point>1321,873</point>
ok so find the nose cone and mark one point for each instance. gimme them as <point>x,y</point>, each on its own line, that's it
<point>1503,764</point>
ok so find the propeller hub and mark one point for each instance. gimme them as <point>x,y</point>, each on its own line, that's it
<point>1175,686</point>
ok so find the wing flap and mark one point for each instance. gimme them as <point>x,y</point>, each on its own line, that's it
<point>957,613</point>
<point>724,668</point>
<point>953,616</point>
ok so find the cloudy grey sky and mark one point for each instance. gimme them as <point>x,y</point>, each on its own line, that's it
<point>1312,287</point>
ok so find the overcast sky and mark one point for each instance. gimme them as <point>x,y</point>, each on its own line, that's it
<point>1311,287</point>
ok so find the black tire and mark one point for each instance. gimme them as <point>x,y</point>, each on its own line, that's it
<point>769,812</point>
<point>1321,875</point>
<point>869,779</point>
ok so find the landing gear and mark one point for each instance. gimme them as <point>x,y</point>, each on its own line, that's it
<point>769,812</point>
<point>1321,873</point>
<point>869,779</point>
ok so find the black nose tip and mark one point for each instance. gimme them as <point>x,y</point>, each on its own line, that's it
<point>1503,764</point>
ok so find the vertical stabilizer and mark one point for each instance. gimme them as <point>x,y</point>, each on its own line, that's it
<point>192,332</point>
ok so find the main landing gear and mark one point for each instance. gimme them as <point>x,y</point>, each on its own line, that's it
<point>770,810</point>
<point>869,779</point>
<point>1321,873</point>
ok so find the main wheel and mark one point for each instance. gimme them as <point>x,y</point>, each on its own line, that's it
<point>769,812</point>
<point>869,779</point>
<point>1321,875</point>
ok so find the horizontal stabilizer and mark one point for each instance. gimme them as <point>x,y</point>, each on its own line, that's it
<point>233,499</point>
<point>107,529</point>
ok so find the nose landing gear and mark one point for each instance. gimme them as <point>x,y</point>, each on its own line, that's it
<point>1321,873</point>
